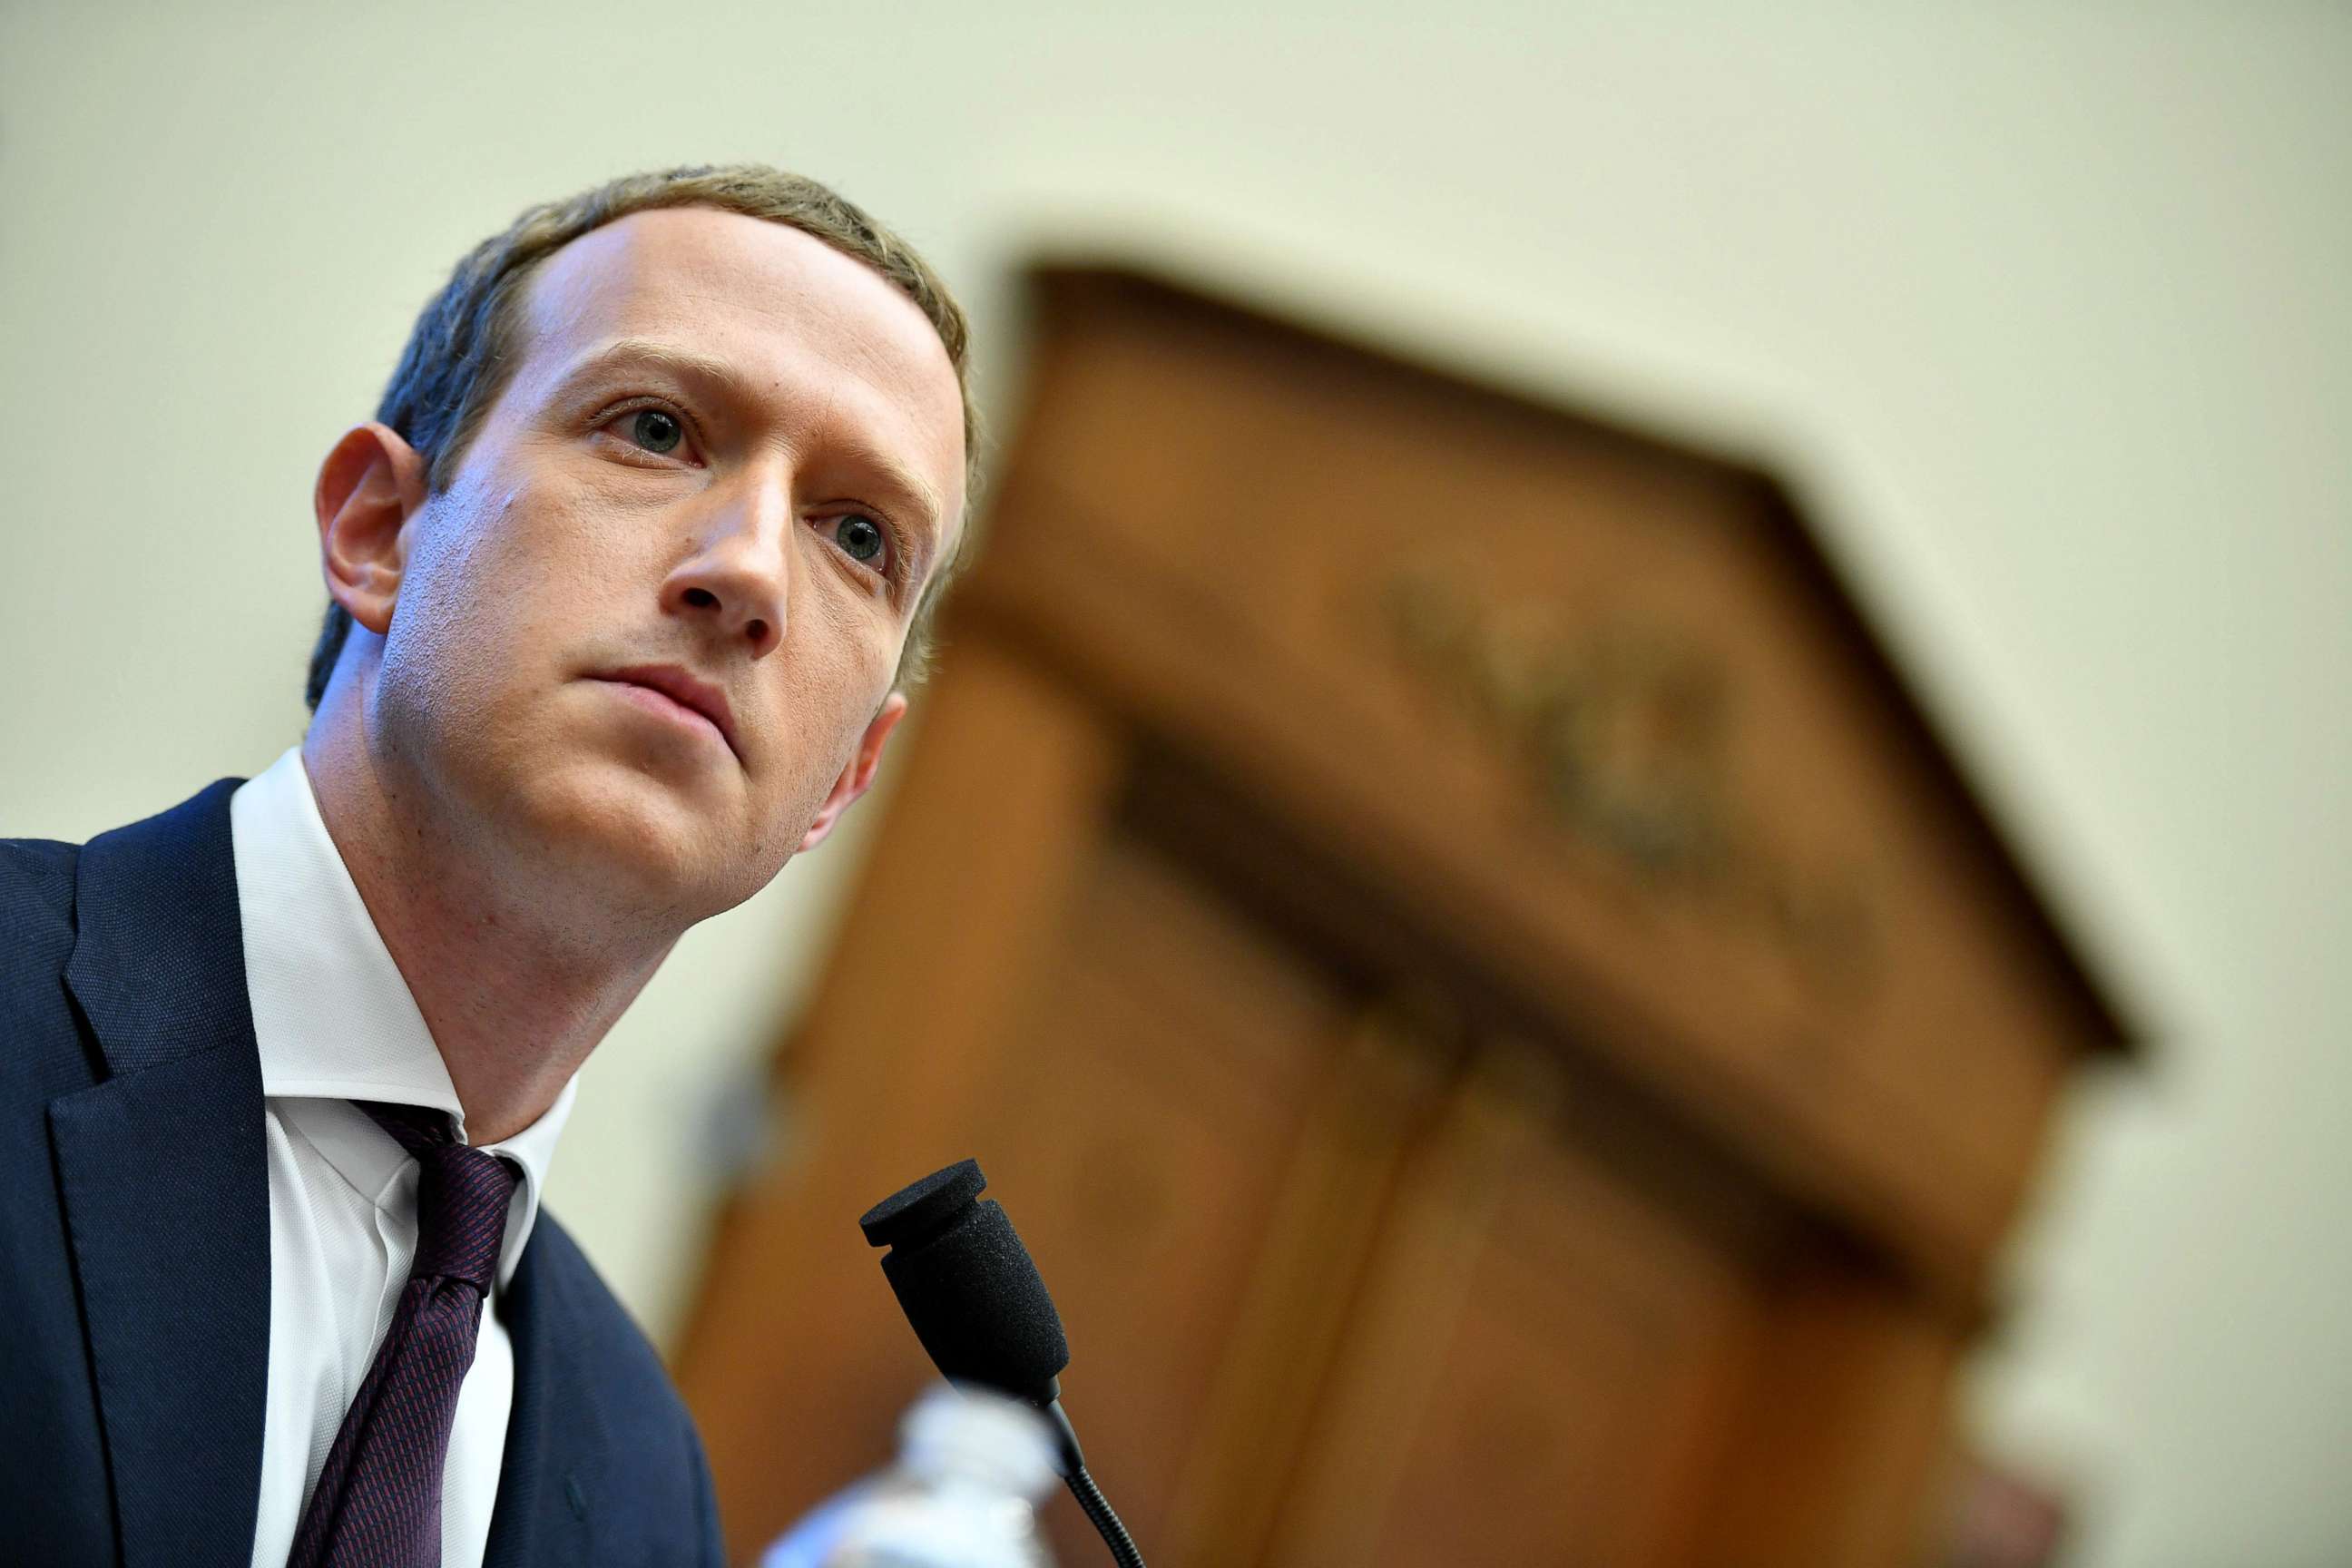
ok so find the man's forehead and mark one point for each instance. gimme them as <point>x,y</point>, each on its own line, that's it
<point>721,270</point>
<point>766,297</point>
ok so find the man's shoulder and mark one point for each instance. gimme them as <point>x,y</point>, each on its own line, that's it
<point>153,901</point>
<point>39,877</point>
<point>37,932</point>
<point>35,858</point>
<point>37,887</point>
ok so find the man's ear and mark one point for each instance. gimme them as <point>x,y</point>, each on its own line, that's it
<point>858,776</point>
<point>372,483</point>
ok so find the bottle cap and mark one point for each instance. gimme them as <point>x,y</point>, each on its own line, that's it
<point>979,1436</point>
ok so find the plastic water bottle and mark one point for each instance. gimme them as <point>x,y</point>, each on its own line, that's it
<point>972,1469</point>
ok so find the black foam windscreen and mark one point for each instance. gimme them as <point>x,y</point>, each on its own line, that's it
<point>967,1284</point>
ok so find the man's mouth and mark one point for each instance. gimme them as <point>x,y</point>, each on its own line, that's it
<point>679,689</point>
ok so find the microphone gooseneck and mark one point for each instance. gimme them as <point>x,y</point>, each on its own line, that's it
<point>978,1304</point>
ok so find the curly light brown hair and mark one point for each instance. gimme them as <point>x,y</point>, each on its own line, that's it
<point>462,349</point>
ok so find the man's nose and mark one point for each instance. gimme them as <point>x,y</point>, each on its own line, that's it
<point>738,581</point>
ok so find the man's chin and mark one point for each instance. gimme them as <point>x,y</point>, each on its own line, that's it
<point>641,840</point>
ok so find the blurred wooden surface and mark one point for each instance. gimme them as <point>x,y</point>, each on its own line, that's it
<point>1507,1036</point>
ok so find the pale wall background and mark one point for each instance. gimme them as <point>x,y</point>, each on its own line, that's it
<point>2047,310</point>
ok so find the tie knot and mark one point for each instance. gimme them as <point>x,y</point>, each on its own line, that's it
<point>462,1196</point>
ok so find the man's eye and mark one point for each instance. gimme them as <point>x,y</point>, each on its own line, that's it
<point>863,538</point>
<point>655,430</point>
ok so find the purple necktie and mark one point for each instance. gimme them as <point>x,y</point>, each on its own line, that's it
<point>378,1501</point>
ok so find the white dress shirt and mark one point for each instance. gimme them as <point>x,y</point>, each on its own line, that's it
<point>335,1022</point>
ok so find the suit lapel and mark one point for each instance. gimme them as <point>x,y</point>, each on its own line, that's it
<point>557,1434</point>
<point>164,1182</point>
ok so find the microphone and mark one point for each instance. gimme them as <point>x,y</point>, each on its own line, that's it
<point>978,1304</point>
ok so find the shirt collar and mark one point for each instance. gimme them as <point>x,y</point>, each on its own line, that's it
<point>331,1015</point>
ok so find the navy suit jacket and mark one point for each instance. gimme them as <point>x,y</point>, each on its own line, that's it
<point>134,1251</point>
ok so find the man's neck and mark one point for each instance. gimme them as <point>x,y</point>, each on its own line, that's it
<point>516,982</point>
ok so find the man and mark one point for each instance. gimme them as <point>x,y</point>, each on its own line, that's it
<point>628,578</point>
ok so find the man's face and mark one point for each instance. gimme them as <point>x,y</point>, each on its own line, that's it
<point>726,462</point>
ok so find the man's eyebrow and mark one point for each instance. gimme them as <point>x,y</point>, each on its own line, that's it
<point>686,364</point>
<point>638,353</point>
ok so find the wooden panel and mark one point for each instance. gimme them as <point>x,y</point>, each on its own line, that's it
<point>1136,1105</point>
<point>1709,846</point>
<point>797,1360</point>
<point>1831,1458</point>
<point>1293,1318</point>
<point>1538,1359</point>
<point>1141,1138</point>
